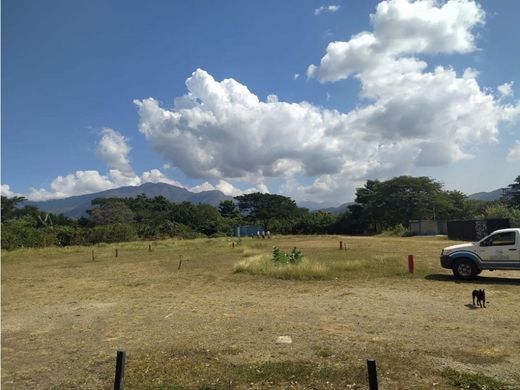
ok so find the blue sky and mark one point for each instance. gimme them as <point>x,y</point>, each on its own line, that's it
<point>100,94</point>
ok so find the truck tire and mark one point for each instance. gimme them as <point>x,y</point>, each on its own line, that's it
<point>465,269</point>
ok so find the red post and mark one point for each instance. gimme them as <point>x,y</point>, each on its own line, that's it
<point>411,264</point>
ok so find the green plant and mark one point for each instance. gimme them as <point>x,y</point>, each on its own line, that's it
<point>282,257</point>
<point>397,230</point>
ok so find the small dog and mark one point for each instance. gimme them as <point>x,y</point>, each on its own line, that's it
<point>480,295</point>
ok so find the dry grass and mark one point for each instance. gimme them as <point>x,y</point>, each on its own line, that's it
<point>204,326</point>
<point>307,269</point>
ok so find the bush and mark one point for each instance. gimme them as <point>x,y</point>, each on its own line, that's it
<point>397,230</point>
<point>20,233</point>
<point>118,232</point>
<point>282,257</point>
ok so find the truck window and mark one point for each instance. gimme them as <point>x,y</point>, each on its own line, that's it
<point>507,238</point>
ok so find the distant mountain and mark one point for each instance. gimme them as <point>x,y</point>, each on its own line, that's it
<point>341,209</point>
<point>323,206</point>
<point>313,206</point>
<point>76,206</point>
<point>487,196</point>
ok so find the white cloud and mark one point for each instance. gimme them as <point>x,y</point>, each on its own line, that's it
<point>156,176</point>
<point>6,191</point>
<point>514,152</point>
<point>206,186</point>
<point>326,9</point>
<point>78,183</point>
<point>296,76</point>
<point>401,28</point>
<point>221,130</point>
<point>229,189</point>
<point>506,89</point>
<point>113,149</point>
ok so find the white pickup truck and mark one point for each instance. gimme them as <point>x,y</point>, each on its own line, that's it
<point>499,250</point>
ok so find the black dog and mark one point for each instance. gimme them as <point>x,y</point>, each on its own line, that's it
<point>481,297</point>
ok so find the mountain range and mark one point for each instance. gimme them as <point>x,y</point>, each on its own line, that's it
<point>77,206</point>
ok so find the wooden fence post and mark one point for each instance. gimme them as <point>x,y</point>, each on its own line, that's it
<point>372,374</point>
<point>411,264</point>
<point>341,245</point>
<point>92,254</point>
<point>120,370</point>
<point>116,252</point>
<point>180,262</point>
<point>149,247</point>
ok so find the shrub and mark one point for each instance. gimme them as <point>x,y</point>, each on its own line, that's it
<point>19,233</point>
<point>397,230</point>
<point>282,257</point>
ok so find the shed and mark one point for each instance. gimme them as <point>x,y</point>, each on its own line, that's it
<point>247,230</point>
<point>474,230</point>
<point>428,227</point>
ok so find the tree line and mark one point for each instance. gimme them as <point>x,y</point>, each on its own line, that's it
<point>380,206</point>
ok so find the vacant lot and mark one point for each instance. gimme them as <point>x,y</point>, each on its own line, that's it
<point>203,326</point>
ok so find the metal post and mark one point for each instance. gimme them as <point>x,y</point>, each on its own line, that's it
<point>120,370</point>
<point>372,374</point>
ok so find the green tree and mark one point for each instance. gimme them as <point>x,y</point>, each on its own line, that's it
<point>264,208</point>
<point>106,211</point>
<point>228,209</point>
<point>512,194</point>
<point>398,200</point>
<point>10,208</point>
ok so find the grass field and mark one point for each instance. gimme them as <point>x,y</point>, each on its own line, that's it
<point>213,323</point>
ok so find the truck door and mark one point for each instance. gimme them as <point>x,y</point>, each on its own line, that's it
<point>500,247</point>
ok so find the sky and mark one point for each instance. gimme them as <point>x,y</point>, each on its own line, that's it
<point>308,99</point>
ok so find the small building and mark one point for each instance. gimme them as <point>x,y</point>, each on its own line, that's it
<point>474,230</point>
<point>428,227</point>
<point>248,230</point>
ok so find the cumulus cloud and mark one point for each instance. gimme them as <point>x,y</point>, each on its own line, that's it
<point>6,191</point>
<point>78,183</point>
<point>156,176</point>
<point>113,148</point>
<point>401,27</point>
<point>221,130</point>
<point>326,9</point>
<point>514,152</point>
<point>506,89</point>
<point>228,188</point>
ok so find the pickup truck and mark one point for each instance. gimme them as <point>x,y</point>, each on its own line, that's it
<point>499,250</point>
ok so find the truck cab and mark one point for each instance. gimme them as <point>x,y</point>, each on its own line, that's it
<point>499,250</point>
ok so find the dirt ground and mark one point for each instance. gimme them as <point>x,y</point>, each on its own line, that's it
<point>64,317</point>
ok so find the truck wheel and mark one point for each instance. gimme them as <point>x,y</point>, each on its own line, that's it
<point>464,269</point>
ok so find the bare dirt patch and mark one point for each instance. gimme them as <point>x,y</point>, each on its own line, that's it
<point>64,317</point>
